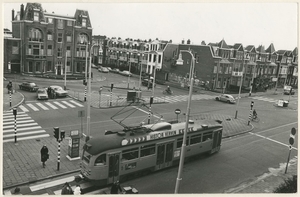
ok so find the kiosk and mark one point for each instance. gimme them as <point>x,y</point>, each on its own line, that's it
<point>74,145</point>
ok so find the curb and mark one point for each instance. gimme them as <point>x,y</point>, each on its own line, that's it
<point>15,106</point>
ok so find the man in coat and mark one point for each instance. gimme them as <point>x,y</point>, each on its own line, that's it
<point>115,187</point>
<point>44,155</point>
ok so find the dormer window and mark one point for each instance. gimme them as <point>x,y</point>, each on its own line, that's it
<point>83,22</point>
<point>36,16</point>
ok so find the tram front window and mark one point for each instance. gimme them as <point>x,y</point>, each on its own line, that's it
<point>101,160</point>
<point>86,157</point>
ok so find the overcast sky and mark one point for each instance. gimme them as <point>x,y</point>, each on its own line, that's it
<point>247,23</point>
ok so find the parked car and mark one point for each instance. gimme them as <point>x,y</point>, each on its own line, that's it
<point>109,68</point>
<point>94,66</point>
<point>145,83</point>
<point>42,94</point>
<point>60,92</point>
<point>29,86</point>
<point>226,98</point>
<point>103,70</point>
<point>115,70</point>
<point>126,73</point>
<point>288,90</point>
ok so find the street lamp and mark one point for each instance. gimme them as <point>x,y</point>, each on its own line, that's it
<point>236,112</point>
<point>140,81</point>
<point>182,155</point>
<point>88,128</point>
<point>128,70</point>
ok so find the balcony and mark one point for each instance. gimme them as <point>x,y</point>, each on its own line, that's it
<point>237,74</point>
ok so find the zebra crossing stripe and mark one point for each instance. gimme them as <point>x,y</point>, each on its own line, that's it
<point>10,113</point>
<point>22,129</point>
<point>24,121</point>
<point>42,106</point>
<point>60,105</point>
<point>27,138</point>
<point>22,125</point>
<point>50,105</point>
<point>24,109</point>
<point>12,119</point>
<point>32,107</point>
<point>70,105</point>
<point>18,116</point>
<point>78,104</point>
<point>22,134</point>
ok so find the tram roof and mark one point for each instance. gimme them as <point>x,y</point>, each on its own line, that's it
<point>125,139</point>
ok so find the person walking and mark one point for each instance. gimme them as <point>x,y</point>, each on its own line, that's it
<point>115,187</point>
<point>9,87</point>
<point>77,190</point>
<point>67,189</point>
<point>44,155</point>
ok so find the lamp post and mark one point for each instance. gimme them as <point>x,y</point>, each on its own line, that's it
<point>65,84</point>
<point>252,80</point>
<point>128,80</point>
<point>88,128</point>
<point>86,70</point>
<point>182,155</point>
<point>140,80</point>
<point>236,111</point>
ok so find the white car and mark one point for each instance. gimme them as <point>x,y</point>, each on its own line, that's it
<point>226,98</point>
<point>42,94</point>
<point>103,70</point>
<point>60,92</point>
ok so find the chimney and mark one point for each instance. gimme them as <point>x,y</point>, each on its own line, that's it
<point>18,15</point>
<point>12,14</point>
<point>22,12</point>
<point>182,42</point>
<point>188,41</point>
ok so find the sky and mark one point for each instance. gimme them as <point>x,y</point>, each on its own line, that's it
<point>246,23</point>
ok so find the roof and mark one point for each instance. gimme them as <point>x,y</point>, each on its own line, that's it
<point>222,44</point>
<point>261,49</point>
<point>238,47</point>
<point>250,48</point>
<point>125,139</point>
<point>271,49</point>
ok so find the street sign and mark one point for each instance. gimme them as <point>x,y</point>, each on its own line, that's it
<point>177,111</point>
<point>81,113</point>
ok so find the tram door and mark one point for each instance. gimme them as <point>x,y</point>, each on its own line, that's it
<point>113,167</point>
<point>164,155</point>
<point>217,141</point>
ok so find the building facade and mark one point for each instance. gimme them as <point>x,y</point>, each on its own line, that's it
<point>51,44</point>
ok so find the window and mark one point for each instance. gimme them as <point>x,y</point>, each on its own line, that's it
<point>83,22</point>
<point>49,66</point>
<point>150,57</point>
<point>59,37</point>
<point>59,52</point>
<point>69,38</point>
<point>82,39</point>
<point>101,160</point>
<point>36,49</point>
<point>207,136</point>
<point>69,51</point>
<point>36,16</point>
<point>68,66</point>
<point>49,50</point>
<point>69,23</point>
<point>30,67</point>
<point>60,24</point>
<point>49,36</point>
<point>29,50</point>
<point>130,154</point>
<point>38,67</point>
<point>78,67</point>
<point>179,142</point>
<point>195,139</point>
<point>15,48</point>
<point>147,150</point>
<point>35,35</point>
<point>50,20</point>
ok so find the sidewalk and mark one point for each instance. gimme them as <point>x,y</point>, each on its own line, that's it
<point>22,165</point>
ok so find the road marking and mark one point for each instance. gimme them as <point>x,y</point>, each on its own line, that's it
<point>12,116</point>
<point>27,138</point>
<point>42,106</point>
<point>78,104</point>
<point>18,118</point>
<point>18,122</point>
<point>23,108</point>
<point>22,134</point>
<point>11,113</point>
<point>22,129</point>
<point>52,183</point>
<point>62,106</point>
<point>50,105</point>
<point>70,105</point>
<point>22,125</point>
<point>33,107</point>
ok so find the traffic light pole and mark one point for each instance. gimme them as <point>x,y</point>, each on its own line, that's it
<point>291,141</point>
<point>58,155</point>
<point>250,115</point>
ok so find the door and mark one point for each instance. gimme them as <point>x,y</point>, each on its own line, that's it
<point>113,167</point>
<point>217,137</point>
<point>164,155</point>
<point>58,70</point>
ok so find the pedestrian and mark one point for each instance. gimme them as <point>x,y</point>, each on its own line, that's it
<point>92,75</point>
<point>115,187</point>
<point>44,155</point>
<point>9,87</point>
<point>67,189</point>
<point>77,190</point>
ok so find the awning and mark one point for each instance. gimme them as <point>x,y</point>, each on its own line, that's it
<point>224,61</point>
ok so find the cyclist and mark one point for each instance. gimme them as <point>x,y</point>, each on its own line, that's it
<point>254,114</point>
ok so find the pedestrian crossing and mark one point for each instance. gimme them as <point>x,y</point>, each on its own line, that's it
<point>265,99</point>
<point>26,127</point>
<point>180,98</point>
<point>45,106</point>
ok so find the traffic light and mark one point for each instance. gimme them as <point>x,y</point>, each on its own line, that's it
<point>84,82</point>
<point>151,100</point>
<point>292,136</point>
<point>62,135</point>
<point>252,103</point>
<point>111,86</point>
<point>56,132</point>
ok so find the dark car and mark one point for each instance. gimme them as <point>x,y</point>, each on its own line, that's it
<point>29,86</point>
<point>115,70</point>
<point>59,91</point>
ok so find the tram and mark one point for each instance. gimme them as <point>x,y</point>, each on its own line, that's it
<point>117,155</point>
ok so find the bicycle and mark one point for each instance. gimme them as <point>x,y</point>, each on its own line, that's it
<point>255,119</point>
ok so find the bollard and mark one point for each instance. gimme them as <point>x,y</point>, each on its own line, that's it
<point>15,114</point>
<point>10,98</point>
<point>85,93</point>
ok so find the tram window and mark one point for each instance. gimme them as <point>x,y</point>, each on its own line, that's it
<point>195,139</point>
<point>179,142</point>
<point>101,160</point>
<point>86,157</point>
<point>207,136</point>
<point>147,150</point>
<point>130,154</point>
